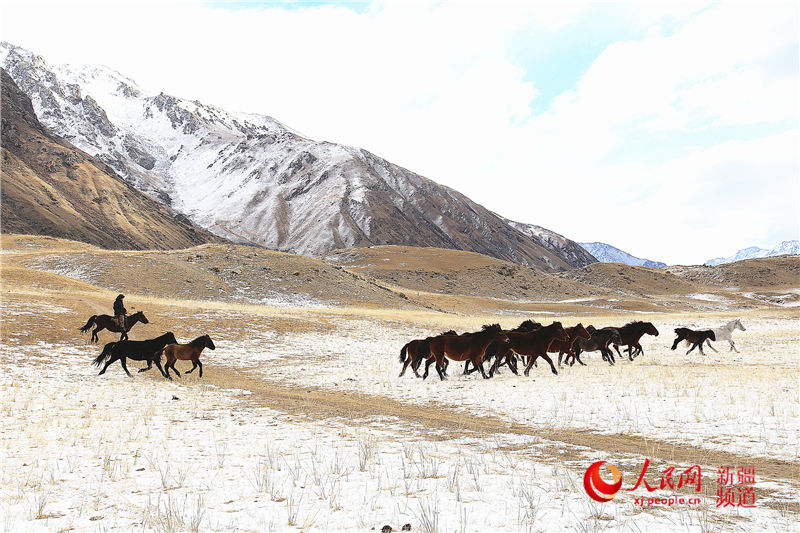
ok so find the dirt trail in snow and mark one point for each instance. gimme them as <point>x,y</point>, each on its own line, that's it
<point>436,420</point>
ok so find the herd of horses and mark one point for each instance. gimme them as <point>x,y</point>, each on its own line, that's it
<point>531,340</point>
<point>149,351</point>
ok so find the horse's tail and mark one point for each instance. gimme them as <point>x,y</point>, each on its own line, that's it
<point>403,351</point>
<point>105,354</point>
<point>89,324</point>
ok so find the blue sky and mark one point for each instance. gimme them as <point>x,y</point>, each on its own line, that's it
<point>651,122</point>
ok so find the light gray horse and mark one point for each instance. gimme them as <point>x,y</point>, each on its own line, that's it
<point>725,333</point>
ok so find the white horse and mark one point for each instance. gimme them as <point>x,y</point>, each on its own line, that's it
<point>725,333</point>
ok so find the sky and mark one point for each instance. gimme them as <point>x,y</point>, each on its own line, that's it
<point>669,130</point>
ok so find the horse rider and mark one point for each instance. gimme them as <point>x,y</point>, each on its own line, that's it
<point>120,312</point>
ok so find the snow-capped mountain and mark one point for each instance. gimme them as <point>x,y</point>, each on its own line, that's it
<point>249,178</point>
<point>754,252</point>
<point>606,253</point>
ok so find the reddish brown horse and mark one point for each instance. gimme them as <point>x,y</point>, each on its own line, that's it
<point>630,334</point>
<point>101,322</point>
<point>470,347</point>
<point>695,338</point>
<point>565,347</point>
<point>532,344</point>
<point>187,352</point>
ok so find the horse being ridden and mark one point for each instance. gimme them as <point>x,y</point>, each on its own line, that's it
<point>532,344</point>
<point>630,334</point>
<point>149,350</point>
<point>464,347</point>
<point>695,338</point>
<point>101,322</point>
<point>725,333</point>
<point>186,352</point>
<point>599,340</point>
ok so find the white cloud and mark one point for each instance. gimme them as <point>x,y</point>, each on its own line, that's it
<point>437,88</point>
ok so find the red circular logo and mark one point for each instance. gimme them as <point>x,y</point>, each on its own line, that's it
<point>596,488</point>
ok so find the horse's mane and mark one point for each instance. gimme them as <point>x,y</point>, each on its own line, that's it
<point>634,323</point>
<point>199,340</point>
<point>528,325</point>
<point>491,328</point>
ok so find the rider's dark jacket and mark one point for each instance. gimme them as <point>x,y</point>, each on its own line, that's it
<point>119,308</point>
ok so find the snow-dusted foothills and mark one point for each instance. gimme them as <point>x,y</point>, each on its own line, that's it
<point>300,422</point>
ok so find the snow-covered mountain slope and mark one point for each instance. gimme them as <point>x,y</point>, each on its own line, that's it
<point>606,253</point>
<point>249,178</point>
<point>754,252</point>
<point>575,254</point>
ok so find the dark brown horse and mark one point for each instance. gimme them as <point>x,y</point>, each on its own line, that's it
<point>508,358</point>
<point>566,347</point>
<point>470,347</point>
<point>532,344</point>
<point>599,340</point>
<point>101,322</point>
<point>187,352</point>
<point>630,334</point>
<point>417,350</point>
<point>695,338</point>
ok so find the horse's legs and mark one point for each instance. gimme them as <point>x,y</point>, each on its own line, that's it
<point>163,372</point>
<point>124,366</point>
<point>708,343</point>
<point>95,338</point>
<point>616,347</point>
<point>149,366</point>
<point>607,355</point>
<point>531,360</point>
<point>466,369</point>
<point>550,361</point>
<point>201,367</point>
<point>108,363</point>
<point>480,367</point>
<point>677,340</point>
<point>695,345</point>
<point>427,366</point>
<point>440,359</point>
<point>171,363</point>
<point>733,347</point>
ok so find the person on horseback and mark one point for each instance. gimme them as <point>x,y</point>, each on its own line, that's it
<point>120,312</point>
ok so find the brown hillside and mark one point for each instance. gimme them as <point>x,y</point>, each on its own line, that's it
<point>459,273</point>
<point>50,187</point>
<point>780,272</point>
<point>210,272</point>
<point>631,279</point>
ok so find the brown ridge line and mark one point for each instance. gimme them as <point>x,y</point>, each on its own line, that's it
<point>321,403</point>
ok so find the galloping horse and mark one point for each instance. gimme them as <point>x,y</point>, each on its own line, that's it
<point>695,338</point>
<point>470,347</point>
<point>102,322</point>
<point>187,352</point>
<point>630,334</point>
<point>509,358</point>
<point>413,352</point>
<point>149,351</point>
<point>725,332</point>
<point>566,347</point>
<point>532,344</point>
<point>599,340</point>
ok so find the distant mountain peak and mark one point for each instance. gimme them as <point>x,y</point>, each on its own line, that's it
<point>791,247</point>
<point>606,253</point>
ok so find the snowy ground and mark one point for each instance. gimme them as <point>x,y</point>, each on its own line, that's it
<point>110,453</point>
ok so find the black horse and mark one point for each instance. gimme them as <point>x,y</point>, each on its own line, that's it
<point>600,340</point>
<point>149,351</point>
<point>695,338</point>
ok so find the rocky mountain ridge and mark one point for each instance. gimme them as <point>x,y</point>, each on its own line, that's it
<point>249,178</point>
